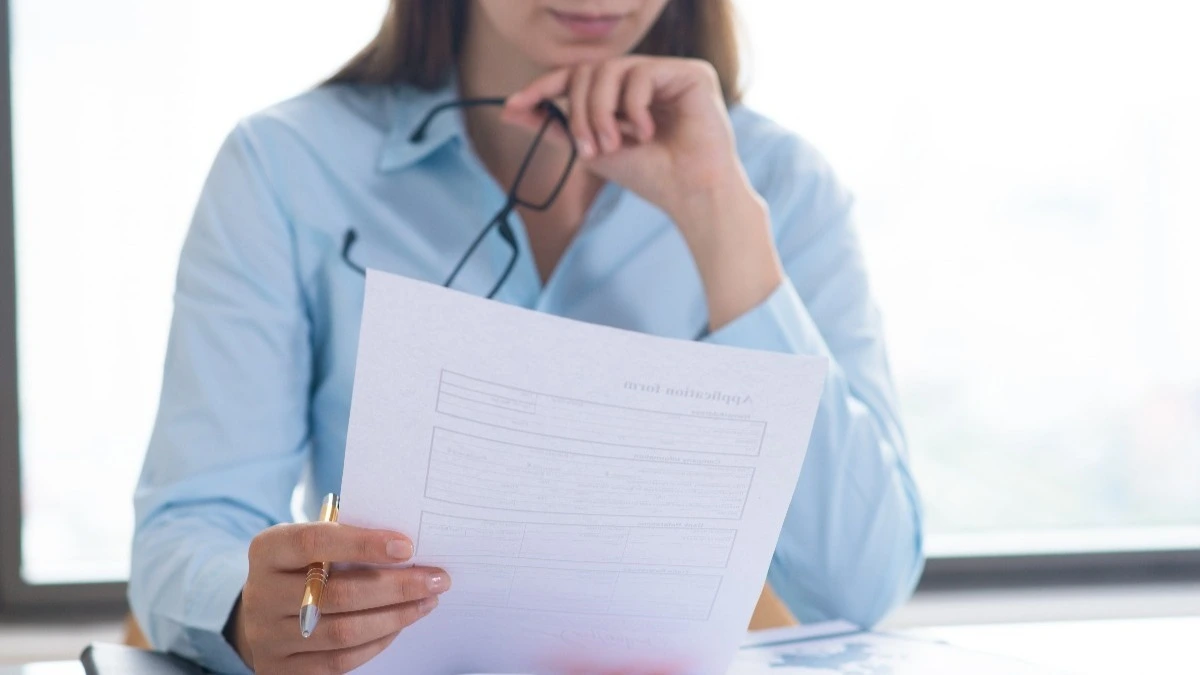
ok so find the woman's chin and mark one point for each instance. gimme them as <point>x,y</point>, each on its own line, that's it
<point>566,55</point>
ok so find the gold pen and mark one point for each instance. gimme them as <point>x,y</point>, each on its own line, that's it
<point>318,574</point>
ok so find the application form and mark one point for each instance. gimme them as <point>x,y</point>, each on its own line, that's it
<point>603,500</point>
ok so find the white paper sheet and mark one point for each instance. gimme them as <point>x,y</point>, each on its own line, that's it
<point>838,647</point>
<point>799,633</point>
<point>600,498</point>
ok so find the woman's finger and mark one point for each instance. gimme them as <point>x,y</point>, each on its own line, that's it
<point>357,590</point>
<point>552,85</point>
<point>295,546</point>
<point>603,102</point>
<point>352,629</point>
<point>339,660</point>
<point>577,99</point>
<point>523,107</point>
<point>529,119</point>
<point>638,94</point>
<point>354,590</point>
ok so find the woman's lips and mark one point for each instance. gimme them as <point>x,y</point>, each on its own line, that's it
<point>588,26</point>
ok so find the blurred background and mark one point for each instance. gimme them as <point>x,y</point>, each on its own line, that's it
<point>1026,175</point>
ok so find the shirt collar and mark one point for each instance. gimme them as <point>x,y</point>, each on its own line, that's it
<point>410,105</point>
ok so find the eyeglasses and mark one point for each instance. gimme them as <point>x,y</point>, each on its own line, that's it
<point>520,193</point>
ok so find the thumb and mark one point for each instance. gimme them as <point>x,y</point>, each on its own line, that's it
<point>527,118</point>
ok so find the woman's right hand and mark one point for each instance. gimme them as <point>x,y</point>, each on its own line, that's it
<point>362,610</point>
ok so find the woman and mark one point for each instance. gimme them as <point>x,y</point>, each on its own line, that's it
<point>684,211</point>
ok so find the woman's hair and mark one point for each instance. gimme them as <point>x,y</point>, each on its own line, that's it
<point>420,41</point>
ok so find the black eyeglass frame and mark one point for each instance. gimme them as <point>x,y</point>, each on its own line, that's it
<point>553,115</point>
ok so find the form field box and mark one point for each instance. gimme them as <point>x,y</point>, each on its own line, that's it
<point>444,536</point>
<point>648,595</point>
<point>475,471</point>
<point>557,417</point>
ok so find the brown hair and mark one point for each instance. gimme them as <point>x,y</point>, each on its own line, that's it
<point>420,41</point>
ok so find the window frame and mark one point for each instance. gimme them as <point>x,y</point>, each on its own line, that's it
<point>18,597</point>
<point>1046,570</point>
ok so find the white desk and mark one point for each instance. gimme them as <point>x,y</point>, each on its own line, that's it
<point>1128,647</point>
<point>47,668</point>
<point>1125,647</point>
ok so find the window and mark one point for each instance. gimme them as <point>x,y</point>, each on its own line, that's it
<point>1026,176</point>
<point>118,109</point>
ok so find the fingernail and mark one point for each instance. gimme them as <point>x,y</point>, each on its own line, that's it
<point>585,147</point>
<point>399,549</point>
<point>608,142</point>
<point>438,583</point>
<point>427,605</point>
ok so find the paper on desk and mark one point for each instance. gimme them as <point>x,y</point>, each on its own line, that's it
<point>600,498</point>
<point>839,647</point>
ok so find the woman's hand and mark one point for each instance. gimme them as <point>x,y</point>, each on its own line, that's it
<point>362,610</point>
<point>659,127</point>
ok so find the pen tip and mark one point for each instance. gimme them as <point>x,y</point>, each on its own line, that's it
<point>309,614</point>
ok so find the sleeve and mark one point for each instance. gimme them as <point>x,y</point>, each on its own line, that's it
<point>231,435</point>
<point>851,546</point>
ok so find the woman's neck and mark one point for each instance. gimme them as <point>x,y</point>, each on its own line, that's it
<point>490,66</point>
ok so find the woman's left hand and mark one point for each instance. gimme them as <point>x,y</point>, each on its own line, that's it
<point>658,126</point>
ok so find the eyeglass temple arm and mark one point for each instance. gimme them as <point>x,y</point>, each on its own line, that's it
<point>471,249</point>
<point>418,134</point>
<point>347,244</point>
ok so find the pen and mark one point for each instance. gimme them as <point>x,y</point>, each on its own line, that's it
<point>318,574</point>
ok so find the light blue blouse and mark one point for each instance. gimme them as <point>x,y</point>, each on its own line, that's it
<point>256,387</point>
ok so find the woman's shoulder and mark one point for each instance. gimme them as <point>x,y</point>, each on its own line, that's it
<point>331,114</point>
<point>782,165</point>
<point>329,130</point>
<point>765,144</point>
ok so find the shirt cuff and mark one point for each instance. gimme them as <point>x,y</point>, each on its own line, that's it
<point>780,323</point>
<point>217,587</point>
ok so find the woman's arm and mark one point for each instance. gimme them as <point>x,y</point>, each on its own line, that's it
<point>851,545</point>
<point>782,271</point>
<point>214,560</point>
<point>230,438</point>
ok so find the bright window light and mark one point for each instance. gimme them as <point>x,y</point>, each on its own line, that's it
<point>1026,174</point>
